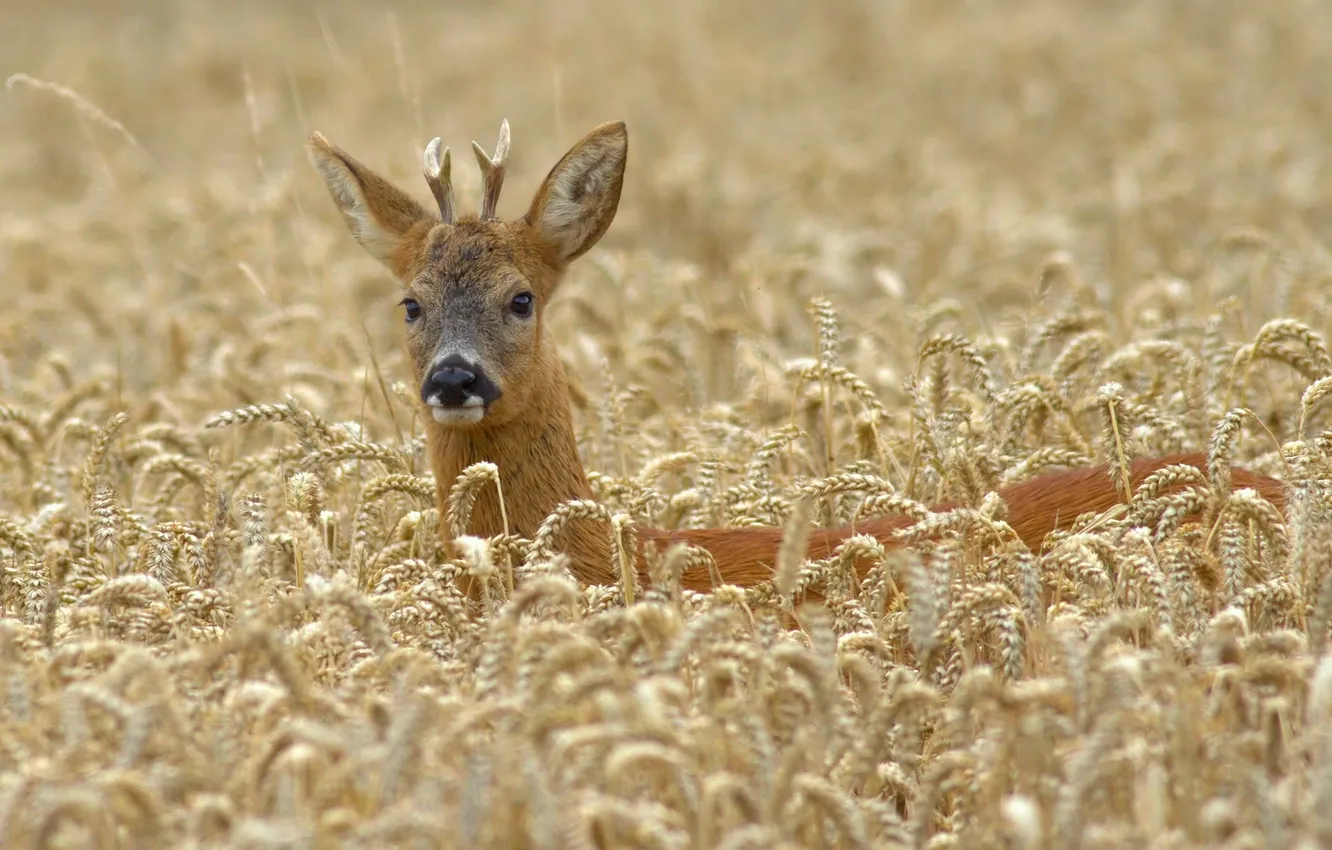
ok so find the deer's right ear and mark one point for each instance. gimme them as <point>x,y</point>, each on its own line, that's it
<point>382,217</point>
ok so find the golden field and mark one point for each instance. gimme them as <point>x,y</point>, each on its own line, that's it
<point>863,248</point>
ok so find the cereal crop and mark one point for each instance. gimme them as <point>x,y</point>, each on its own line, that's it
<point>870,258</point>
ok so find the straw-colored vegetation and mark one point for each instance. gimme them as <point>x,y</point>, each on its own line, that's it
<point>866,250</point>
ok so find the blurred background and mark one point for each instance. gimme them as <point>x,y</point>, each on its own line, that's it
<point>965,166</point>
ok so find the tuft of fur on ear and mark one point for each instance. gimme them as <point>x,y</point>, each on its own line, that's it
<point>578,199</point>
<point>376,212</point>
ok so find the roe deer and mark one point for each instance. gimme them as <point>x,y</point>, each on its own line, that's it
<point>476,289</point>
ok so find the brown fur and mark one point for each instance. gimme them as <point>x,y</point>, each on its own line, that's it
<point>1035,509</point>
<point>529,432</point>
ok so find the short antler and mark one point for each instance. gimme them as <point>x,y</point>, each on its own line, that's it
<point>436,172</point>
<point>492,171</point>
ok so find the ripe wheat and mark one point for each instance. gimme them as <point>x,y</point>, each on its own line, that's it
<point>227,616</point>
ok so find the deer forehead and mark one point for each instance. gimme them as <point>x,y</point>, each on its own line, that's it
<point>485,255</point>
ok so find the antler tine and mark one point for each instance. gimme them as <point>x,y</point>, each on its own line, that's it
<point>436,172</point>
<point>492,170</point>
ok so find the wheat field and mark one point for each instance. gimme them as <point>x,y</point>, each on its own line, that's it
<point>864,251</point>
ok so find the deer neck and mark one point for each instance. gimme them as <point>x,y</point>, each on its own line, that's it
<point>536,454</point>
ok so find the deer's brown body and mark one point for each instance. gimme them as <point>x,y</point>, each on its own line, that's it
<point>1035,508</point>
<point>476,289</point>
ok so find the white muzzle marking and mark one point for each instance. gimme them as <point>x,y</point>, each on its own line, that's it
<point>473,410</point>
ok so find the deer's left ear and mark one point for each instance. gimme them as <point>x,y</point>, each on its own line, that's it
<point>578,199</point>
<point>386,221</point>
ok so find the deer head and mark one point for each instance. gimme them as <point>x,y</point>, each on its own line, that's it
<point>476,286</point>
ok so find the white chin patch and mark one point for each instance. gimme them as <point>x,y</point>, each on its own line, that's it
<point>472,412</point>
<point>458,415</point>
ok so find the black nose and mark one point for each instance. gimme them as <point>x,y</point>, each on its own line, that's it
<point>456,382</point>
<point>450,377</point>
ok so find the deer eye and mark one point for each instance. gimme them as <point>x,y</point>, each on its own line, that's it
<point>413,309</point>
<point>521,305</point>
